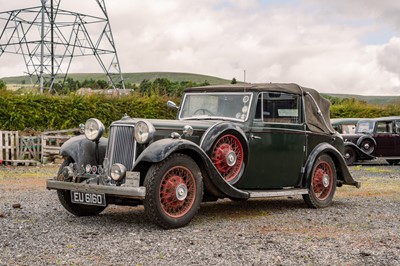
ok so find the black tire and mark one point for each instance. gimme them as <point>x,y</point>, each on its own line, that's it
<point>65,195</point>
<point>367,146</point>
<point>392,161</point>
<point>174,191</point>
<point>350,155</point>
<point>322,183</point>
<point>227,146</point>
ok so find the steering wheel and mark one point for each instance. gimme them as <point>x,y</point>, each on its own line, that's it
<point>203,111</point>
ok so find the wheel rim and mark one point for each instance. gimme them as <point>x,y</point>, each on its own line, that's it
<point>322,180</point>
<point>367,146</point>
<point>177,191</point>
<point>227,157</point>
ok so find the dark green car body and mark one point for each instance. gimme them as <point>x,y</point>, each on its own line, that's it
<point>235,141</point>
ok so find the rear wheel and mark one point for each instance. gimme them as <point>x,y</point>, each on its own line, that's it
<point>322,183</point>
<point>228,157</point>
<point>174,191</point>
<point>65,195</point>
<point>350,155</point>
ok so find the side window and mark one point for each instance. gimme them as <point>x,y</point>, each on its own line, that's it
<point>280,108</point>
<point>398,127</point>
<point>384,127</point>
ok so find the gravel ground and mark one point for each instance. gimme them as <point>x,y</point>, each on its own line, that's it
<point>360,228</point>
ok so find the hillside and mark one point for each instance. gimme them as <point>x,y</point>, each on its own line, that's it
<point>197,78</point>
<point>379,100</point>
<point>134,77</point>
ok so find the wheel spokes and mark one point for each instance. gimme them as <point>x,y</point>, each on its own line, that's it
<point>227,156</point>
<point>322,182</point>
<point>177,191</point>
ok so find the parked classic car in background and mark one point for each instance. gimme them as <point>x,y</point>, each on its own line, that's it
<point>235,141</point>
<point>345,125</point>
<point>374,138</point>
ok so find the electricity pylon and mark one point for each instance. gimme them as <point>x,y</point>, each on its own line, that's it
<point>49,37</point>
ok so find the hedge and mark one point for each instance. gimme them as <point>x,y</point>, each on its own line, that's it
<point>42,112</point>
<point>47,112</point>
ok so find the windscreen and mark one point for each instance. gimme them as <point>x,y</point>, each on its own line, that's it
<point>233,106</point>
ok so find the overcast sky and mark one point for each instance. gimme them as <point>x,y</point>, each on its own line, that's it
<point>335,46</point>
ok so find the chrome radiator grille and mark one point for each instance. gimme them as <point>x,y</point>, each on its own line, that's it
<point>121,146</point>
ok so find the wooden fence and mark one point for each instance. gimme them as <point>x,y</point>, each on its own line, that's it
<point>18,149</point>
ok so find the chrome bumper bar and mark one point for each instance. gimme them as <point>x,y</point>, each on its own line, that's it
<point>128,192</point>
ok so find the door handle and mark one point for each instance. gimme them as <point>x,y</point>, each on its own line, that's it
<point>254,137</point>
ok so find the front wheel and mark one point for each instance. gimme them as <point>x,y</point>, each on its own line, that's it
<point>367,146</point>
<point>65,195</point>
<point>322,183</point>
<point>174,191</point>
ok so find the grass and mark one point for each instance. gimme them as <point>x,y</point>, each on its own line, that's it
<point>373,187</point>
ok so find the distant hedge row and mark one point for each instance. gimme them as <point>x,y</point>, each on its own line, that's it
<point>352,108</point>
<point>46,112</point>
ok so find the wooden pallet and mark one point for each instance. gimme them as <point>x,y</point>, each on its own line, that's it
<point>9,145</point>
<point>52,142</point>
<point>29,147</point>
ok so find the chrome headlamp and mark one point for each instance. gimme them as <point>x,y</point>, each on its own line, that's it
<point>94,129</point>
<point>118,171</point>
<point>144,131</point>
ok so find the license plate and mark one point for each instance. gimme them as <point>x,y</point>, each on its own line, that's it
<point>88,198</point>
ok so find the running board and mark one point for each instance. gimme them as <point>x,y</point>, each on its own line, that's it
<point>277,193</point>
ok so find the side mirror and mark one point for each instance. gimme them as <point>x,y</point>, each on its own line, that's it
<point>172,105</point>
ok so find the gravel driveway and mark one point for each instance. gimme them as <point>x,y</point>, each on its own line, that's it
<point>360,228</point>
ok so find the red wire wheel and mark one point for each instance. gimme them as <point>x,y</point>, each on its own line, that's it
<point>322,181</point>
<point>227,156</point>
<point>177,191</point>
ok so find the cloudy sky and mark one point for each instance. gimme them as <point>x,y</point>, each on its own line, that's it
<point>335,46</point>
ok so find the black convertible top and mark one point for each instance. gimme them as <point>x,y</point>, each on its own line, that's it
<point>316,107</point>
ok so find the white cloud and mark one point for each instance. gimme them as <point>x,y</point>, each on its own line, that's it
<point>320,45</point>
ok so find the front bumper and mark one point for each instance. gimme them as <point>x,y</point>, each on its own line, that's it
<point>126,192</point>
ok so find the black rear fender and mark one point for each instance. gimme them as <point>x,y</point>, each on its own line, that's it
<point>343,173</point>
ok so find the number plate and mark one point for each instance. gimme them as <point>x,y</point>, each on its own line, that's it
<point>88,198</point>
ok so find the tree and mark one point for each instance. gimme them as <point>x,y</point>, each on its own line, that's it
<point>3,85</point>
<point>233,81</point>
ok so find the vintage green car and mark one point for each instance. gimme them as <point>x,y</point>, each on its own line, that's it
<point>236,141</point>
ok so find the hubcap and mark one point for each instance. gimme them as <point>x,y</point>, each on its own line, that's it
<point>366,146</point>
<point>231,158</point>
<point>325,180</point>
<point>181,192</point>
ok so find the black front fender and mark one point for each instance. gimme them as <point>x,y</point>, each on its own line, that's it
<point>83,151</point>
<point>343,173</point>
<point>212,134</point>
<point>161,149</point>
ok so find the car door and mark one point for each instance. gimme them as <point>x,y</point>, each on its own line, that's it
<point>277,142</point>
<point>385,138</point>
